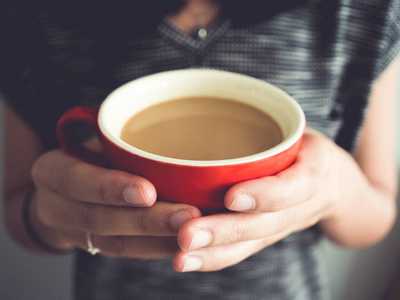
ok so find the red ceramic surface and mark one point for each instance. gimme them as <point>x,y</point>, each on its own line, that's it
<point>197,183</point>
<point>201,186</point>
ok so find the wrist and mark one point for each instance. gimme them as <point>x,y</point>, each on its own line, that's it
<point>361,214</point>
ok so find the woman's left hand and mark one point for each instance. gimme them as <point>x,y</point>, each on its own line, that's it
<point>353,199</point>
<point>265,210</point>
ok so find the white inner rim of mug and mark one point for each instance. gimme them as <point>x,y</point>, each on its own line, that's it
<point>142,93</point>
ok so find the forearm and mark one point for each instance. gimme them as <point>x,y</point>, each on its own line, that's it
<point>365,211</point>
<point>368,185</point>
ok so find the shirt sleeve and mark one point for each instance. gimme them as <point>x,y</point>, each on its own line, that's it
<point>390,44</point>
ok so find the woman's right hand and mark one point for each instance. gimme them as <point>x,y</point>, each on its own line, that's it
<point>119,209</point>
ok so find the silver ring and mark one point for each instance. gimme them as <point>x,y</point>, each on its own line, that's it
<point>91,249</point>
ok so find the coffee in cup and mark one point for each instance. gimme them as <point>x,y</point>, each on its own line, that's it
<point>202,128</point>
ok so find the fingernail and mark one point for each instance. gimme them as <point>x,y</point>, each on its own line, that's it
<point>179,218</point>
<point>200,239</point>
<point>193,263</point>
<point>133,194</point>
<point>243,202</point>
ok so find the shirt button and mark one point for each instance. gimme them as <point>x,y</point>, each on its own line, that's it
<point>202,33</point>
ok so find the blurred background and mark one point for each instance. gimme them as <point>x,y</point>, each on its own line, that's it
<point>354,274</point>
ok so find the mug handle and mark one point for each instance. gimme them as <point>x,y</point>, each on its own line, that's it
<point>80,114</point>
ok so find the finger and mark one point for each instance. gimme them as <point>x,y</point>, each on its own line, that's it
<point>89,183</point>
<point>217,258</point>
<point>139,247</point>
<point>162,219</point>
<point>297,184</point>
<point>142,247</point>
<point>230,228</point>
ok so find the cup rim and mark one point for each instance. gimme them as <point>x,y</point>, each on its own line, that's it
<point>281,147</point>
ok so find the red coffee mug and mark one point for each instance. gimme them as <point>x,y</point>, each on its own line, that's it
<point>199,183</point>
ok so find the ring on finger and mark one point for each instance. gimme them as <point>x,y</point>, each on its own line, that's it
<point>90,247</point>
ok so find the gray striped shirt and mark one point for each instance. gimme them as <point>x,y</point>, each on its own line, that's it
<point>326,54</point>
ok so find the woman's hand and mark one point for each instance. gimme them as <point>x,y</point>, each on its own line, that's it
<point>315,188</point>
<point>118,208</point>
<point>351,198</point>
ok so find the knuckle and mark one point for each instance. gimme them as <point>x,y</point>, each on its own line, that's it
<point>44,167</point>
<point>44,215</point>
<point>239,231</point>
<point>288,220</point>
<point>43,211</point>
<point>280,196</point>
<point>64,183</point>
<point>105,194</point>
<point>46,218</point>
<point>276,204</point>
<point>38,170</point>
<point>73,178</point>
<point>144,221</point>
<point>88,219</point>
<point>118,245</point>
<point>285,225</point>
